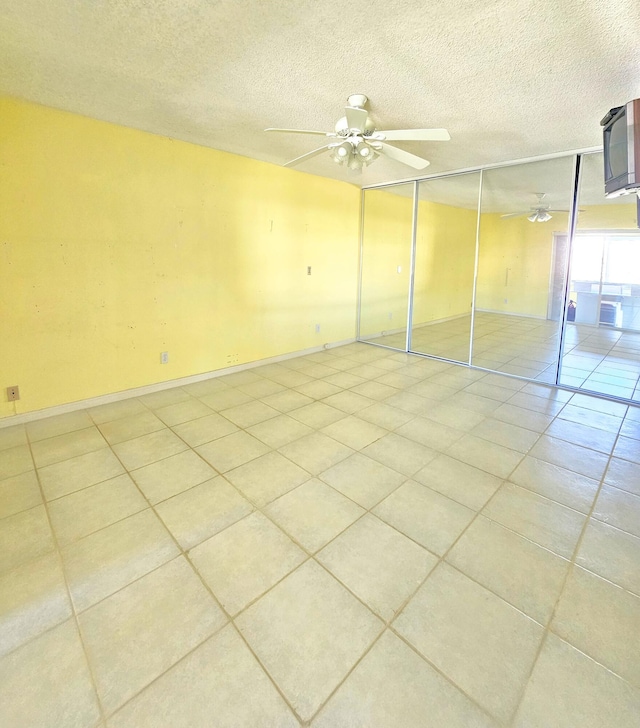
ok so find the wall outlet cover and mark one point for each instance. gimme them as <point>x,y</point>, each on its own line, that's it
<point>13,393</point>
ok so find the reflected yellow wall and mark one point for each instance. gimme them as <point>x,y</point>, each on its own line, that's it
<point>445,250</point>
<point>386,246</point>
<point>514,261</point>
<point>614,216</point>
<point>445,258</point>
<point>515,256</point>
<point>117,245</point>
<point>514,264</point>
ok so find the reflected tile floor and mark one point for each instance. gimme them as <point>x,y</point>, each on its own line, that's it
<point>357,537</point>
<point>597,359</point>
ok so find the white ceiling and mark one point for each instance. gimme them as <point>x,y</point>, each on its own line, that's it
<point>507,78</point>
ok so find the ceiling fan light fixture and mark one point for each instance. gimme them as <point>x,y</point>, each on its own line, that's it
<point>363,150</point>
<point>539,216</point>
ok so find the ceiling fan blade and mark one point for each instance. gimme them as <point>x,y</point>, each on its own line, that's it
<point>303,131</point>
<point>405,157</point>
<point>356,118</point>
<point>517,214</point>
<point>308,155</point>
<point>419,135</point>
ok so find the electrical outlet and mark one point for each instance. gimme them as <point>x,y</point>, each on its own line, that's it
<point>308,270</point>
<point>390,315</point>
<point>164,357</point>
<point>13,393</point>
<point>317,328</point>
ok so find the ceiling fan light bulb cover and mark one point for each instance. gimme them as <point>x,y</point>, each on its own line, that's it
<point>363,150</point>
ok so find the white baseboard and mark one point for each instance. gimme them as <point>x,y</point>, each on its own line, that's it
<point>512,313</point>
<point>442,320</point>
<point>61,409</point>
<point>390,332</point>
<point>403,329</point>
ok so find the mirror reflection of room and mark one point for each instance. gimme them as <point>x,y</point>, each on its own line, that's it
<point>386,258</point>
<point>494,288</point>
<point>447,219</point>
<point>602,341</point>
<point>522,260</point>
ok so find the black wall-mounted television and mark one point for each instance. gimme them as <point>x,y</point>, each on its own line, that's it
<point>622,149</point>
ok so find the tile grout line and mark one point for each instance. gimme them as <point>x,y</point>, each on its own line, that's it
<point>572,564</point>
<point>312,475</point>
<point>230,620</point>
<point>223,474</point>
<point>74,613</point>
<point>313,554</point>
<point>152,507</point>
<point>316,476</point>
<point>389,623</point>
<point>310,556</point>
<point>180,553</point>
<point>441,560</point>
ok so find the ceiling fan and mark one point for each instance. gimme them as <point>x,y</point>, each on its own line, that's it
<point>356,142</point>
<point>536,213</point>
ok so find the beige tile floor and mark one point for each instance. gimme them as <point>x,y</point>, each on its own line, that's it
<point>597,359</point>
<point>357,537</point>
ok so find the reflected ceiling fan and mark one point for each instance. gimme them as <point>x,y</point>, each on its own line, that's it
<point>536,213</point>
<point>356,142</point>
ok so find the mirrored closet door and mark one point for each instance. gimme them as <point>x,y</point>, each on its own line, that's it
<point>385,265</point>
<point>601,346</point>
<point>447,219</point>
<point>522,262</point>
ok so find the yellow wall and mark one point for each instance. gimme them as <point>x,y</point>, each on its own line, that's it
<point>386,246</point>
<point>117,245</point>
<point>445,259</point>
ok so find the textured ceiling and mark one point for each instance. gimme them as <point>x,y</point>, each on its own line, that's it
<point>507,78</point>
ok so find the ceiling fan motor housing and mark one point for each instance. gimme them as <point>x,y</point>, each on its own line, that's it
<point>342,128</point>
<point>357,100</point>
